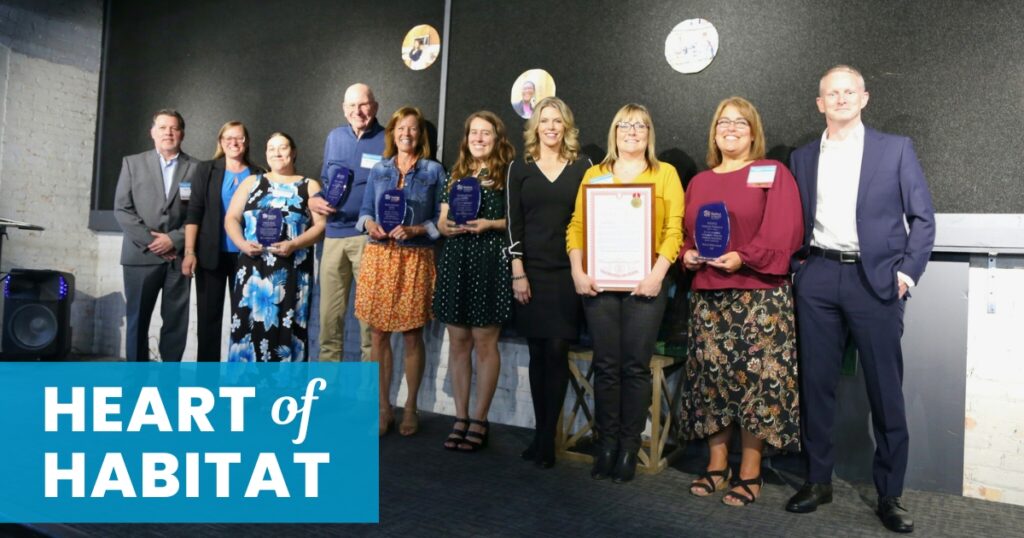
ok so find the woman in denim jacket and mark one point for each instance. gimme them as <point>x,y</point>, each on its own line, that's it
<point>396,283</point>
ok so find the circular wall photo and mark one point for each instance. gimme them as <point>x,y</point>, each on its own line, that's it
<point>532,86</point>
<point>421,46</point>
<point>691,45</point>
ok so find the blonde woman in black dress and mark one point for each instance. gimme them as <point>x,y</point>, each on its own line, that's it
<point>542,188</point>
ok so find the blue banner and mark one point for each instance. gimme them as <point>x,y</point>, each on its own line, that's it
<point>188,442</point>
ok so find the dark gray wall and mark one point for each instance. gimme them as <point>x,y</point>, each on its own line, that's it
<point>945,72</point>
<point>277,65</point>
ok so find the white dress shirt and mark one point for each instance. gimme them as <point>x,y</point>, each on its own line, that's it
<point>835,216</point>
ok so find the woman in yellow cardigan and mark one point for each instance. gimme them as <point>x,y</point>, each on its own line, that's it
<point>624,325</point>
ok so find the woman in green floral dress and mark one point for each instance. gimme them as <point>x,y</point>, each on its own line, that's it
<point>473,293</point>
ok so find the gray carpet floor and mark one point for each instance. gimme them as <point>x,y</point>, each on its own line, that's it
<point>427,491</point>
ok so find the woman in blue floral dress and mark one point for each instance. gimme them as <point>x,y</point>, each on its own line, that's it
<point>271,287</point>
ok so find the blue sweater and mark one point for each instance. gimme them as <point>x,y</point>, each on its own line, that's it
<point>342,148</point>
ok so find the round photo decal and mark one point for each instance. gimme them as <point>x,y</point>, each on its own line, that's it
<point>691,45</point>
<point>532,86</point>
<point>421,46</point>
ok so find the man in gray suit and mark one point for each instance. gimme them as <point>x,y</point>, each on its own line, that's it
<point>149,205</point>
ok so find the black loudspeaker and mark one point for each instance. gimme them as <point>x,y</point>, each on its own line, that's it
<point>37,315</point>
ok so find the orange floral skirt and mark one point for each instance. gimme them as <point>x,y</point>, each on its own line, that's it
<point>395,286</point>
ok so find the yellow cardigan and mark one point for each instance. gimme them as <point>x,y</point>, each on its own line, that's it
<point>668,208</point>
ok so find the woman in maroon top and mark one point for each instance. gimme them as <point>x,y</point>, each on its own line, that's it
<point>741,367</point>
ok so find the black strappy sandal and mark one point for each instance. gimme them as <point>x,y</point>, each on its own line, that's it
<point>458,435</point>
<point>475,440</point>
<point>749,498</point>
<point>711,485</point>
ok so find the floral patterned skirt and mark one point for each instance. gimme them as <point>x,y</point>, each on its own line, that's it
<point>741,366</point>
<point>395,286</point>
<point>272,297</point>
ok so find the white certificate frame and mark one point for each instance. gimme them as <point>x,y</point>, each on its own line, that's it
<point>618,240</point>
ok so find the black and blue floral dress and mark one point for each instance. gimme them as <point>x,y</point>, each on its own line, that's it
<point>271,293</point>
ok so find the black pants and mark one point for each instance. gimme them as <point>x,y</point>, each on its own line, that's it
<point>549,379</point>
<point>210,286</point>
<point>624,329</point>
<point>143,284</point>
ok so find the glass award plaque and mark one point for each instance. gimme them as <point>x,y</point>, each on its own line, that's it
<point>391,209</point>
<point>339,181</point>
<point>711,233</point>
<point>464,200</point>
<point>269,226</point>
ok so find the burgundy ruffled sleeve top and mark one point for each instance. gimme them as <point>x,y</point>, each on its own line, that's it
<point>766,226</point>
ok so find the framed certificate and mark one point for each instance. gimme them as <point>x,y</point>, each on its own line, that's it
<point>618,249</point>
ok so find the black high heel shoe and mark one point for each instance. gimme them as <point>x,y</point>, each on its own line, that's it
<point>604,460</point>
<point>475,441</point>
<point>530,452</point>
<point>458,435</point>
<point>545,453</point>
<point>625,467</point>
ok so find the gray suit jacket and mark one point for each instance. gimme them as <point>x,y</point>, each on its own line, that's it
<point>140,205</point>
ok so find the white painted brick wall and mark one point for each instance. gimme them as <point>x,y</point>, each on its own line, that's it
<point>994,422</point>
<point>46,155</point>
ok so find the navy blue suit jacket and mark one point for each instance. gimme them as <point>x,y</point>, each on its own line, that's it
<point>892,188</point>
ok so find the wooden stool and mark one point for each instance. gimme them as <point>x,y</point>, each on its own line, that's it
<point>656,452</point>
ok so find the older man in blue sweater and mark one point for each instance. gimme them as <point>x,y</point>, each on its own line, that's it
<point>349,154</point>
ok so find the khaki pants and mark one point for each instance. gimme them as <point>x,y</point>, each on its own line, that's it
<point>339,269</point>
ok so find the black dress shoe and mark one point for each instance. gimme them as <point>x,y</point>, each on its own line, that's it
<point>893,515</point>
<point>604,461</point>
<point>809,498</point>
<point>625,467</point>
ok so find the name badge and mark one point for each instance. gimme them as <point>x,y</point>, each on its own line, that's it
<point>761,177</point>
<point>185,190</point>
<point>599,180</point>
<point>369,160</point>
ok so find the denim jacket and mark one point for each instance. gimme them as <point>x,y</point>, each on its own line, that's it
<point>423,187</point>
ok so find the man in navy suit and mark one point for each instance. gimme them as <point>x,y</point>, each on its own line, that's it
<point>869,227</point>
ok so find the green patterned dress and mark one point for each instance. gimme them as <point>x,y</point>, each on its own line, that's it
<point>474,285</point>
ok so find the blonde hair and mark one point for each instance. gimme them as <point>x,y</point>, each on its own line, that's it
<point>570,141</point>
<point>496,163</point>
<point>749,113</point>
<point>219,152</point>
<point>627,111</point>
<point>423,142</point>
<point>843,68</point>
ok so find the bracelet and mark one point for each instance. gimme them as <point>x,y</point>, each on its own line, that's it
<point>190,252</point>
<point>520,277</point>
